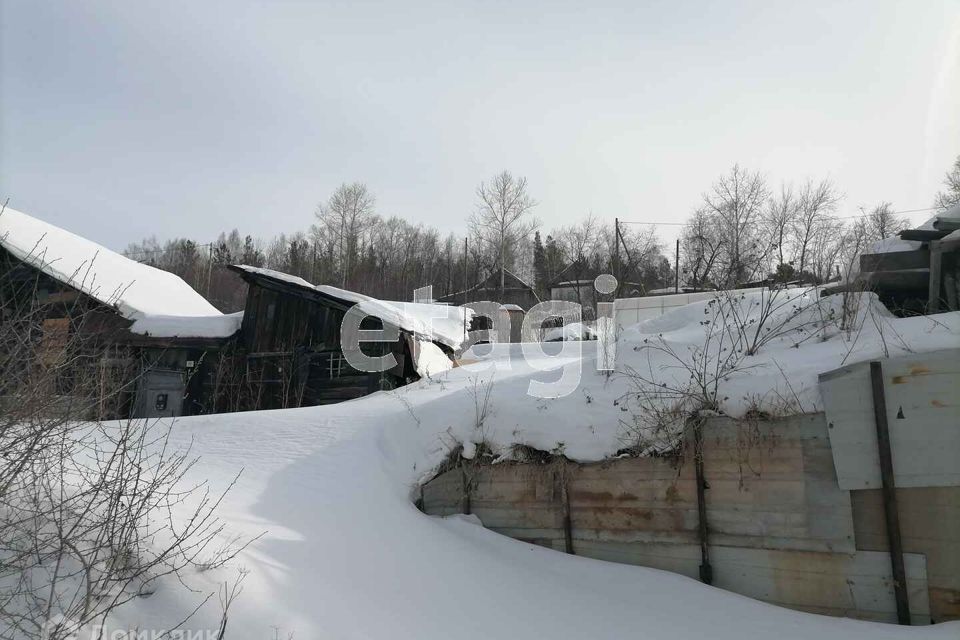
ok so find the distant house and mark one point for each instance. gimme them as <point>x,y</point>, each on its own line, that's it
<point>514,291</point>
<point>583,292</point>
<point>141,338</point>
<point>580,291</point>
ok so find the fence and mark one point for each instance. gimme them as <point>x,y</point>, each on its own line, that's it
<point>785,515</point>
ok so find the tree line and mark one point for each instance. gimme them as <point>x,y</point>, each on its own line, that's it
<point>744,231</point>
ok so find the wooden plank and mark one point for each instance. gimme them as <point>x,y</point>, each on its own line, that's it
<point>923,413</point>
<point>914,280</point>
<point>933,289</point>
<point>923,235</point>
<point>895,260</point>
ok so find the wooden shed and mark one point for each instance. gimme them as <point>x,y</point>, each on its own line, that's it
<point>291,342</point>
<point>292,346</point>
<point>919,272</point>
<point>126,339</point>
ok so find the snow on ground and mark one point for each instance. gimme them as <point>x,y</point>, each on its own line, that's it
<point>347,555</point>
<point>137,290</point>
<point>431,360</point>
<point>572,331</point>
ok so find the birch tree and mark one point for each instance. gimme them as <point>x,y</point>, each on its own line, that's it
<point>817,203</point>
<point>344,219</point>
<point>736,202</point>
<point>503,217</point>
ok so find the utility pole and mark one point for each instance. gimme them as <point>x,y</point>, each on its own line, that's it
<point>616,243</point>
<point>465,264</point>
<point>676,269</point>
<point>502,266</point>
<point>209,270</point>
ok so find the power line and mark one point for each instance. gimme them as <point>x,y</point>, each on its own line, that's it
<point>862,215</point>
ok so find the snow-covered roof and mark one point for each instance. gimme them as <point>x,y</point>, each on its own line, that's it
<point>946,219</point>
<point>490,276</point>
<point>439,322</point>
<point>218,326</point>
<point>136,290</point>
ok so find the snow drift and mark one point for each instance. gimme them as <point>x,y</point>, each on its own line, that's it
<point>345,554</point>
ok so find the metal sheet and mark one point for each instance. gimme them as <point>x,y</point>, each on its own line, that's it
<point>924,416</point>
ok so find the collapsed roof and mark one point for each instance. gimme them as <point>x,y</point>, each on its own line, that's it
<point>436,322</point>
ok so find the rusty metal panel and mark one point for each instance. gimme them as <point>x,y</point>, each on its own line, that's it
<point>858,585</point>
<point>773,486</point>
<point>855,585</point>
<point>924,421</point>
<point>775,490</point>
<point>930,524</point>
<point>780,527</point>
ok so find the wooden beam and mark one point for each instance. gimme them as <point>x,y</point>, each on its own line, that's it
<point>706,570</point>
<point>915,280</point>
<point>895,261</point>
<point>936,261</point>
<point>563,481</point>
<point>923,235</point>
<point>889,494</point>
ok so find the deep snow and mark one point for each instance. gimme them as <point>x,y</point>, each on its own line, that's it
<point>347,555</point>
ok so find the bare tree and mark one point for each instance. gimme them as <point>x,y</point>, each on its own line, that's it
<point>87,508</point>
<point>779,219</point>
<point>826,250</point>
<point>951,194</point>
<point>503,217</point>
<point>736,203</point>
<point>580,244</point>
<point>816,205</point>
<point>345,217</point>
<point>881,222</point>
<point>701,246</point>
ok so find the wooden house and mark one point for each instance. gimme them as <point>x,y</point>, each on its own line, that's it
<point>148,345</point>
<point>133,340</point>
<point>514,291</point>
<point>293,348</point>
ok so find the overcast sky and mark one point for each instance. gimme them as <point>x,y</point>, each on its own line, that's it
<point>127,119</point>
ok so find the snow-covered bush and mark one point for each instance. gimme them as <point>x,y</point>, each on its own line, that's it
<point>681,376</point>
